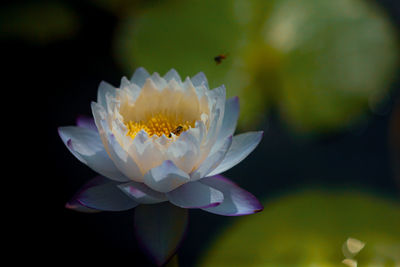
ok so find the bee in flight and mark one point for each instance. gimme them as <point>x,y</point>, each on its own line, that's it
<point>218,59</point>
<point>177,131</point>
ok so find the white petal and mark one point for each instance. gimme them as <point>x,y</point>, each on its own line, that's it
<point>165,177</point>
<point>86,145</point>
<point>125,83</point>
<point>104,89</point>
<point>200,79</point>
<point>242,146</point>
<point>229,122</point>
<point>209,140</point>
<point>184,152</point>
<point>99,114</point>
<point>158,81</point>
<point>145,153</point>
<point>195,195</point>
<point>211,162</point>
<point>124,161</point>
<point>172,74</point>
<point>141,193</point>
<point>216,99</point>
<point>140,76</point>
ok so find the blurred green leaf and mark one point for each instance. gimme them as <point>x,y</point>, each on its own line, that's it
<point>185,35</point>
<point>308,229</point>
<point>321,63</point>
<point>337,55</point>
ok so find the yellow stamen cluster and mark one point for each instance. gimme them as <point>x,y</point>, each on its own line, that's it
<point>158,124</point>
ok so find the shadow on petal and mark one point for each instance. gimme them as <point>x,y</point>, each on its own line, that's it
<point>101,193</point>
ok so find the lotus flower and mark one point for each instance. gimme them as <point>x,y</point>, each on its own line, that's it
<point>161,140</point>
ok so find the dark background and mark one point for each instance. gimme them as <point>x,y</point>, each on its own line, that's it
<point>54,83</point>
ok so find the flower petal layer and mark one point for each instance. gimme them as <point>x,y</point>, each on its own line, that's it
<point>87,146</point>
<point>123,160</point>
<point>104,90</point>
<point>140,76</point>
<point>200,79</point>
<point>237,201</point>
<point>195,195</point>
<point>242,146</point>
<point>229,122</point>
<point>160,229</point>
<point>142,193</point>
<point>165,177</point>
<point>212,161</point>
<point>103,194</point>
<point>172,74</point>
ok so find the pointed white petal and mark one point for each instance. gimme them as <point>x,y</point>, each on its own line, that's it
<point>195,195</point>
<point>172,74</point>
<point>242,146</point>
<point>229,122</point>
<point>140,76</point>
<point>141,193</point>
<point>158,81</point>
<point>184,151</point>
<point>200,79</point>
<point>212,161</point>
<point>86,145</point>
<point>165,177</point>
<point>124,161</point>
<point>104,89</point>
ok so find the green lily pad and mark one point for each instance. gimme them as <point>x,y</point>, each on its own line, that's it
<point>338,58</point>
<point>308,229</point>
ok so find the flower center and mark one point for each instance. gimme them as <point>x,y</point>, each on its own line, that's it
<point>159,124</point>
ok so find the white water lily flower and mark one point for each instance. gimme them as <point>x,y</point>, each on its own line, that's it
<point>157,139</point>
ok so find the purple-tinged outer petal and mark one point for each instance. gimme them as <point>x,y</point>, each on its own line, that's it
<point>76,206</point>
<point>242,146</point>
<point>237,201</point>
<point>195,195</point>
<point>101,193</point>
<point>160,229</point>
<point>165,177</point>
<point>141,193</point>
<point>87,122</point>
